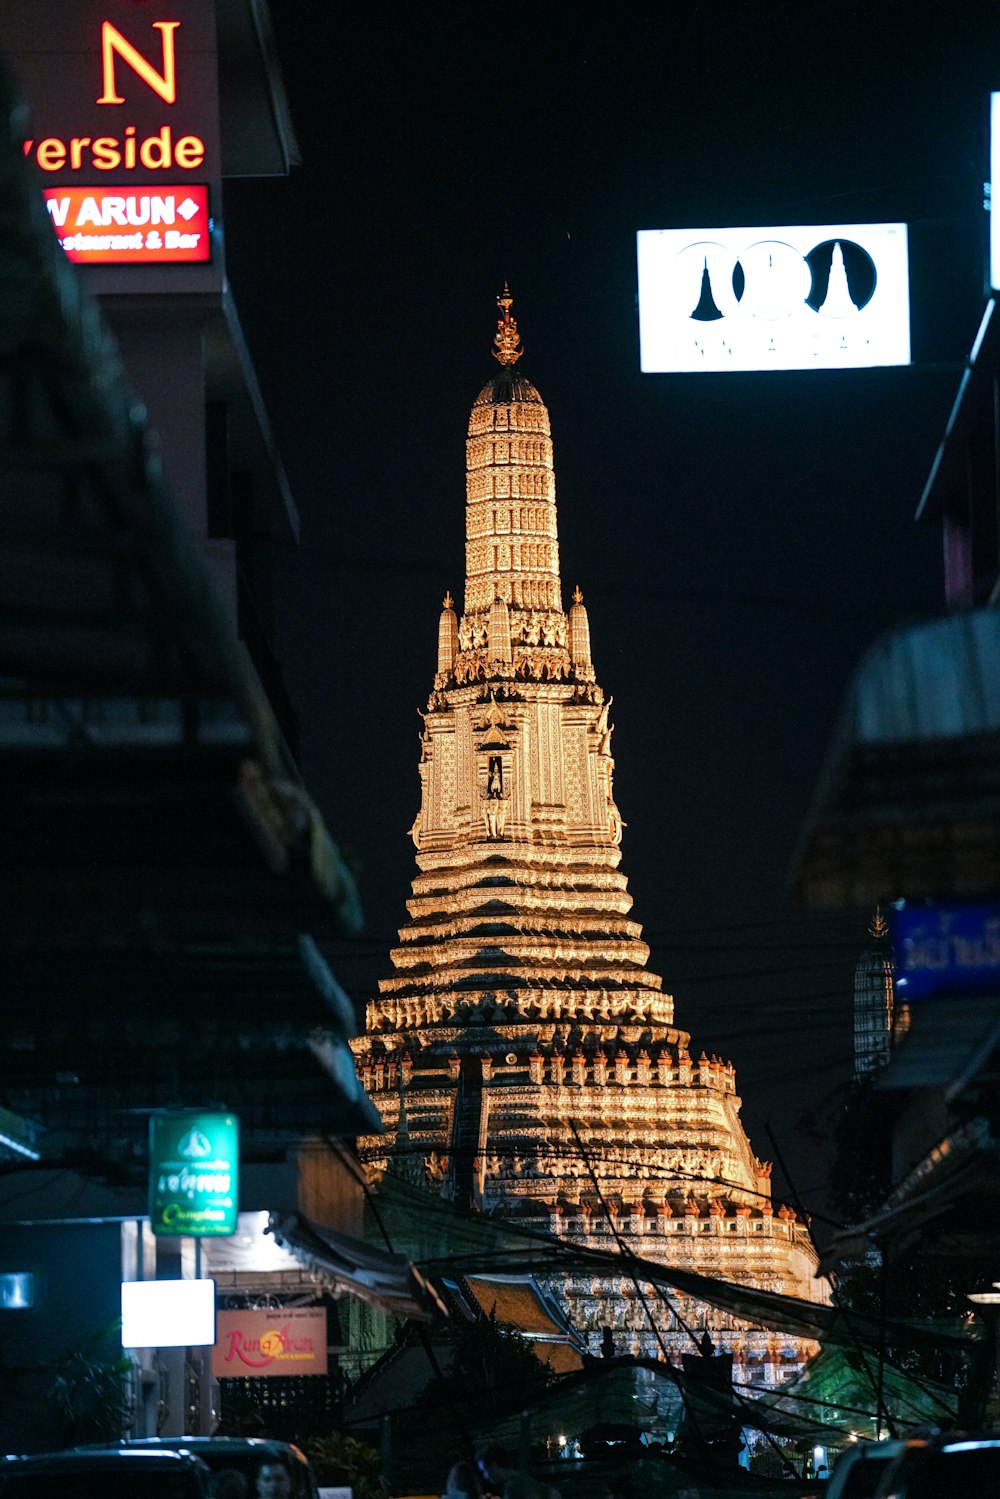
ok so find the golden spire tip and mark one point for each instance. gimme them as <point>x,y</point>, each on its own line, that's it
<point>878,927</point>
<point>447,602</point>
<point>506,338</point>
<point>577,595</point>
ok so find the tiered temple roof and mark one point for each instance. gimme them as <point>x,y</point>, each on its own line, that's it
<point>542,1072</point>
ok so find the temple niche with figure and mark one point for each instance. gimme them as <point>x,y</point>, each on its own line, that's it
<point>521,1047</point>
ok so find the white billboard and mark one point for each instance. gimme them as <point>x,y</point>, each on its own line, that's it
<point>995,192</point>
<point>168,1313</point>
<point>812,297</point>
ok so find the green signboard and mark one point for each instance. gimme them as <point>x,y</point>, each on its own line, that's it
<point>194,1174</point>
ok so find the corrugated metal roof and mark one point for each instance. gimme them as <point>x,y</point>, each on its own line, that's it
<point>908,803</point>
<point>385,1280</point>
<point>936,681</point>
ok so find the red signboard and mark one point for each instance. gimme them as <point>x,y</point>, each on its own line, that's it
<point>269,1344</point>
<point>124,96</point>
<point>119,225</point>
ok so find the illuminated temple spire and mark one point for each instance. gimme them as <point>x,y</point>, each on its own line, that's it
<point>506,337</point>
<point>579,633</point>
<point>874,999</point>
<point>511,546</point>
<point>447,636</point>
<point>520,1003</point>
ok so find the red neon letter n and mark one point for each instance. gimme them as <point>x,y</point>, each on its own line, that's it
<point>164,84</point>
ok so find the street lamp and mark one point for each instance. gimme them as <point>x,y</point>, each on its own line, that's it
<point>986,1298</point>
<point>989,1304</point>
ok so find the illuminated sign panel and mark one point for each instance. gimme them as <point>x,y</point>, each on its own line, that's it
<point>106,153</point>
<point>193,1174</point>
<point>265,1344</point>
<point>945,951</point>
<point>168,1313</point>
<point>105,224</point>
<point>995,192</point>
<point>113,45</point>
<point>123,130</point>
<point>17,1290</point>
<point>821,296</point>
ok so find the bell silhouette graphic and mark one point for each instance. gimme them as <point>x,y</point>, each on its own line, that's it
<point>706,310</point>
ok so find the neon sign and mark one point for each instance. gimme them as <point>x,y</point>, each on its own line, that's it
<point>164,84</point>
<point>160,150</point>
<point>110,225</point>
<point>106,153</point>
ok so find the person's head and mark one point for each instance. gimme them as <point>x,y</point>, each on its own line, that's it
<point>495,1464</point>
<point>273,1479</point>
<point>462,1479</point>
<point>227,1483</point>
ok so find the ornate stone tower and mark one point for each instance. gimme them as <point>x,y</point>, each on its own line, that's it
<point>877,1018</point>
<point>532,1045</point>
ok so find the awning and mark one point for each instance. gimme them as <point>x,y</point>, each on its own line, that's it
<point>346,1266</point>
<point>261,1026</point>
<point>480,1245</point>
<point>973,411</point>
<point>837,1391</point>
<point>948,1042</point>
<point>959,1174</point>
<point>909,800</point>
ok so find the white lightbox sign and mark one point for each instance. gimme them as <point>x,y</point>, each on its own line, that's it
<point>994,191</point>
<point>812,297</point>
<point>168,1313</point>
<point>17,1290</point>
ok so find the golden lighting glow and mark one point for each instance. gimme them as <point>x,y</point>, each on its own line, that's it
<point>164,84</point>
<point>506,337</point>
<point>523,1057</point>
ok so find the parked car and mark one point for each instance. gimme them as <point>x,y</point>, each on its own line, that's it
<point>943,1467</point>
<point>860,1468</point>
<point>246,1454</point>
<point>106,1473</point>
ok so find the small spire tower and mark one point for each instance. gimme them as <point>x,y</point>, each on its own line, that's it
<point>541,1051</point>
<point>875,1015</point>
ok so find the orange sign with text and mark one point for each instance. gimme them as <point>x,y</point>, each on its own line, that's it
<point>115,225</point>
<point>163,149</point>
<point>255,1344</point>
<point>113,44</point>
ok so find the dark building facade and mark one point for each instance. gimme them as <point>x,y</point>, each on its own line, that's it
<point>163,865</point>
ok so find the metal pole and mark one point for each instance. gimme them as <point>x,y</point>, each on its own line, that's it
<point>880,1393</point>
<point>385,1446</point>
<point>524,1446</point>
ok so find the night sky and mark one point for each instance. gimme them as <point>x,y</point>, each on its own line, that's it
<point>740,539</point>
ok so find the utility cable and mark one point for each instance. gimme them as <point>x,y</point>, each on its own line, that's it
<point>878,1386</point>
<point>421,1331</point>
<point>629,1257</point>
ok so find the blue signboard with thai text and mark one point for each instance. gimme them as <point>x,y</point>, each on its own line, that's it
<point>946,950</point>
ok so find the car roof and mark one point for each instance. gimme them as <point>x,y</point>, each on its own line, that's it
<point>102,1457</point>
<point>260,1445</point>
<point>860,1452</point>
<point>863,1451</point>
